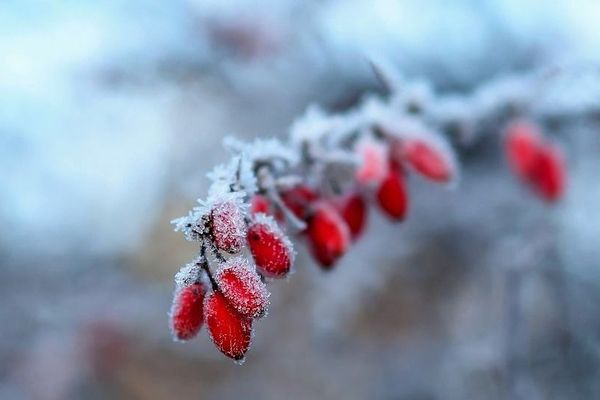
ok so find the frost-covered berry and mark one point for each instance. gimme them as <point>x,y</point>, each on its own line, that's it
<point>373,161</point>
<point>187,311</point>
<point>228,227</point>
<point>328,234</point>
<point>299,198</point>
<point>242,287</point>
<point>353,208</point>
<point>392,195</point>
<point>427,159</point>
<point>272,251</point>
<point>229,330</point>
<point>548,174</point>
<point>522,142</point>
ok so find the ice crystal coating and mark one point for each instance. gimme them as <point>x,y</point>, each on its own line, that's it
<point>229,330</point>
<point>195,225</point>
<point>314,125</point>
<point>263,150</point>
<point>192,225</point>
<point>373,110</point>
<point>235,176</point>
<point>188,274</point>
<point>242,287</point>
<point>271,249</point>
<point>227,224</point>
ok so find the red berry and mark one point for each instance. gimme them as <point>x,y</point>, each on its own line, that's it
<point>187,311</point>
<point>522,143</point>
<point>535,160</point>
<point>392,195</point>
<point>548,174</point>
<point>328,234</point>
<point>259,204</point>
<point>228,227</point>
<point>243,288</point>
<point>353,208</point>
<point>373,165</point>
<point>229,330</point>
<point>271,249</point>
<point>427,159</point>
<point>299,199</point>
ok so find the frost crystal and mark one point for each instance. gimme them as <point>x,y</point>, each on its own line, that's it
<point>228,226</point>
<point>230,331</point>
<point>242,287</point>
<point>272,224</point>
<point>187,311</point>
<point>237,175</point>
<point>373,109</point>
<point>263,150</point>
<point>188,274</point>
<point>314,125</point>
<point>272,250</point>
<point>192,225</point>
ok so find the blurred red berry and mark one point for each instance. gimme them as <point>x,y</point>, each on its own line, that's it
<point>105,344</point>
<point>272,251</point>
<point>187,311</point>
<point>259,204</point>
<point>392,195</point>
<point>353,208</point>
<point>373,158</point>
<point>299,198</point>
<point>428,160</point>
<point>535,160</point>
<point>228,227</point>
<point>229,330</point>
<point>328,234</point>
<point>522,143</point>
<point>548,173</point>
<point>243,288</point>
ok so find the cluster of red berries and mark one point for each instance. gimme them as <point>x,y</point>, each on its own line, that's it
<point>333,222</point>
<point>328,217</point>
<point>232,297</point>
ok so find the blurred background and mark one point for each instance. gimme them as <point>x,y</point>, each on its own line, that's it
<point>112,112</point>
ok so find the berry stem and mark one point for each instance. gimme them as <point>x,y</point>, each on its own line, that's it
<point>296,223</point>
<point>204,265</point>
<point>216,253</point>
<point>267,183</point>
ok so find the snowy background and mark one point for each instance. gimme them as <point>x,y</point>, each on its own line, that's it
<point>111,113</point>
